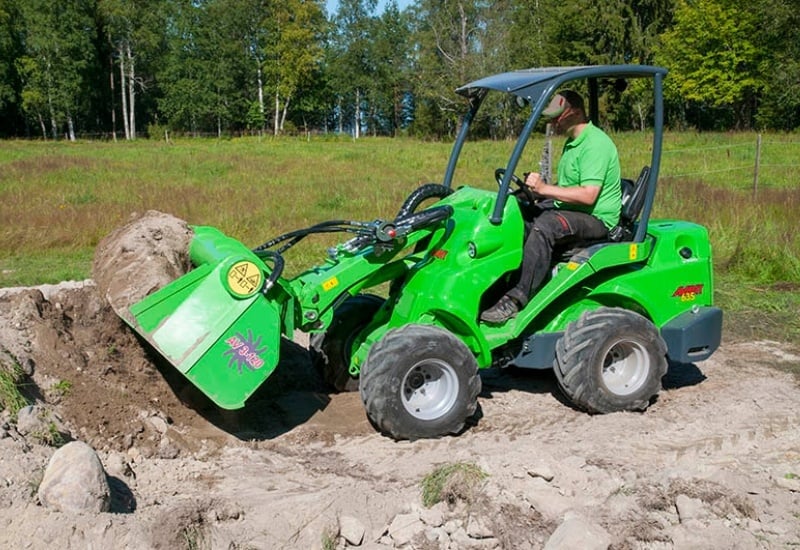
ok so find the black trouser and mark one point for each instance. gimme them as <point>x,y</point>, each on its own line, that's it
<point>549,229</point>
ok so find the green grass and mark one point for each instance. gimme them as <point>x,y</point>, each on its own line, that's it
<point>57,200</point>
<point>458,481</point>
<point>11,398</point>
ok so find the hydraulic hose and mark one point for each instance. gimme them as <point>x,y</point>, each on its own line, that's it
<point>277,268</point>
<point>422,193</point>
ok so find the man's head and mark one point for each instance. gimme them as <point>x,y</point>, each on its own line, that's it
<point>566,110</point>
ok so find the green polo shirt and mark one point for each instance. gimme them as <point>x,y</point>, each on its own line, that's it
<point>591,159</point>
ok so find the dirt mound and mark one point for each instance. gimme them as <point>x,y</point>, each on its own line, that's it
<point>88,365</point>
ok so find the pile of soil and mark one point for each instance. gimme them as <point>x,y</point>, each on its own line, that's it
<point>713,463</point>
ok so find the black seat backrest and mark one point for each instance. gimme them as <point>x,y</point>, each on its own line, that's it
<point>632,204</point>
<point>633,196</point>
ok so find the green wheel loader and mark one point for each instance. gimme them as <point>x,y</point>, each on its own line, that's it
<point>607,320</point>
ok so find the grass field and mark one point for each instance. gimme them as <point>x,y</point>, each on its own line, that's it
<point>57,200</point>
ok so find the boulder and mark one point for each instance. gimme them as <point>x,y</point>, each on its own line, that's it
<point>75,481</point>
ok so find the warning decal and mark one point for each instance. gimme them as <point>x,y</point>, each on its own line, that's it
<point>244,278</point>
<point>330,284</point>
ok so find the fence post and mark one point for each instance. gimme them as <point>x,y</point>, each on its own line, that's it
<point>758,162</point>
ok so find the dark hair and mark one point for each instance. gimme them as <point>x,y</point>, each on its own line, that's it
<point>574,99</point>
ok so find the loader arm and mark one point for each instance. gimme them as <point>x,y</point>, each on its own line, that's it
<point>220,324</point>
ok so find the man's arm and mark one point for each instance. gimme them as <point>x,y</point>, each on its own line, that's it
<point>585,194</point>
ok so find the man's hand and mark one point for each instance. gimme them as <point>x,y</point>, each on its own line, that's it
<point>535,182</point>
<point>585,194</point>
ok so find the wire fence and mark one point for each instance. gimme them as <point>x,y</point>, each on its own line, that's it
<point>748,165</point>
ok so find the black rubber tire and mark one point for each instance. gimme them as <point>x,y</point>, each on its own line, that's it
<point>419,381</point>
<point>332,349</point>
<point>610,360</point>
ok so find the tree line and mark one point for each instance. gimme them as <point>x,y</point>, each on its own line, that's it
<point>133,67</point>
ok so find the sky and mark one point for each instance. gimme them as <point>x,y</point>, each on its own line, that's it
<point>332,5</point>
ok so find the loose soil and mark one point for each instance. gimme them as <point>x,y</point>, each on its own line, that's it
<point>713,463</point>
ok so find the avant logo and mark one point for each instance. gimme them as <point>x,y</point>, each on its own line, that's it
<point>245,351</point>
<point>687,293</point>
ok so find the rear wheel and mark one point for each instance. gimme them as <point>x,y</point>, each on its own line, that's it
<point>333,348</point>
<point>610,360</point>
<point>419,381</point>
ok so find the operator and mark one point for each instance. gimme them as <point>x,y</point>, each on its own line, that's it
<point>587,200</point>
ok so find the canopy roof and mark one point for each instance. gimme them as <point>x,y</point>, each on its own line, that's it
<point>529,83</point>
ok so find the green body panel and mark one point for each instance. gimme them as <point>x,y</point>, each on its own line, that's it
<point>661,287</point>
<point>649,277</point>
<point>464,259</point>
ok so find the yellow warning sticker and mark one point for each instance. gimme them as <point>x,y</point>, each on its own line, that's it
<point>244,278</point>
<point>633,251</point>
<point>331,283</point>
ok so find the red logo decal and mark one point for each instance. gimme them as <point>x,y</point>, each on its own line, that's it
<point>688,290</point>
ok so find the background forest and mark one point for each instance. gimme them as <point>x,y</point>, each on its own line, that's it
<point>128,68</point>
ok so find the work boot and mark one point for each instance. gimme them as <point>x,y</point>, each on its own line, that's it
<point>505,308</point>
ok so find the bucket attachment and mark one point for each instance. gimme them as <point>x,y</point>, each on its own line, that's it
<point>215,324</point>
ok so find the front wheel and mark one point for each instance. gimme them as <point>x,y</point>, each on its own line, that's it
<point>419,381</point>
<point>610,360</point>
<point>334,347</point>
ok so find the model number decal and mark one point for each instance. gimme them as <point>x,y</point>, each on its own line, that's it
<point>245,351</point>
<point>688,293</point>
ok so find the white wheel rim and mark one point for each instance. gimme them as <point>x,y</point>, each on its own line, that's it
<point>429,389</point>
<point>625,367</point>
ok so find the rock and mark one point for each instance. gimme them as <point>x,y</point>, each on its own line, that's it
<point>713,534</point>
<point>433,516</point>
<point>404,527</point>
<point>140,257</point>
<point>461,540</point>
<point>689,508</point>
<point>167,448</point>
<point>158,423</point>
<point>477,528</point>
<point>547,500</point>
<point>543,471</point>
<point>577,532</point>
<point>42,424</point>
<point>790,483</point>
<point>351,530</point>
<point>28,419</point>
<point>437,536</point>
<point>118,466</point>
<point>75,481</point>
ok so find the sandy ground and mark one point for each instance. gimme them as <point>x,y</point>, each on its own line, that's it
<point>713,463</point>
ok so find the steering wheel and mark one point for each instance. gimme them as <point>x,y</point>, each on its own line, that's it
<point>529,196</point>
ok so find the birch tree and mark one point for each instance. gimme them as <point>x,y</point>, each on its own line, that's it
<point>390,90</point>
<point>135,30</point>
<point>295,51</point>
<point>450,37</point>
<point>58,53</point>
<point>352,62</point>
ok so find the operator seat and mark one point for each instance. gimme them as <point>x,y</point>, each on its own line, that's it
<point>633,195</point>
